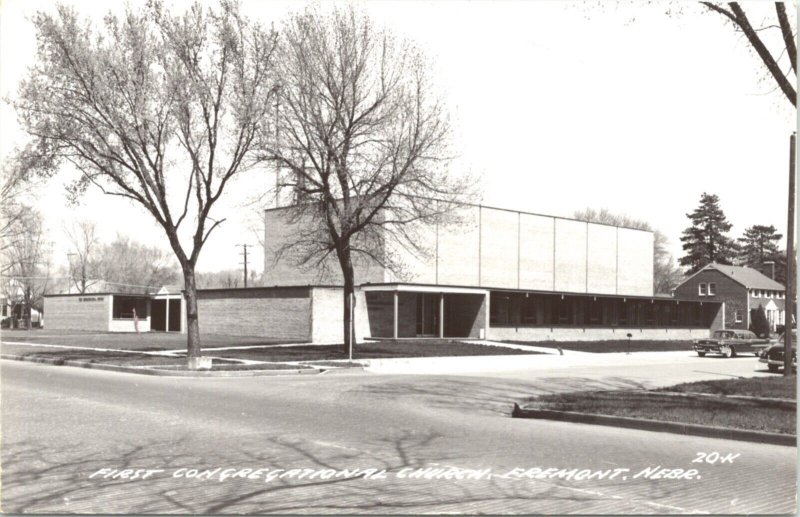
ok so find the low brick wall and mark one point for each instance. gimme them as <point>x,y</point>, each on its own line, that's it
<point>327,309</point>
<point>85,312</point>
<point>282,313</point>
<point>592,334</point>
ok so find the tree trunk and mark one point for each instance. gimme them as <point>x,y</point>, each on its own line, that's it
<point>193,348</point>
<point>349,282</point>
<point>28,308</point>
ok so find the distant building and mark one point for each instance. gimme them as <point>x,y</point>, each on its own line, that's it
<point>742,290</point>
<point>117,311</point>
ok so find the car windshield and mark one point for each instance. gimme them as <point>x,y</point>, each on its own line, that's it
<point>794,337</point>
<point>723,334</point>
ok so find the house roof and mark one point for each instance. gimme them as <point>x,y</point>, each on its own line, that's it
<point>747,276</point>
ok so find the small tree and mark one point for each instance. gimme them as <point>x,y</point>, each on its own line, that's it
<point>83,256</point>
<point>156,108</point>
<point>705,241</point>
<point>362,140</point>
<point>134,267</point>
<point>758,322</point>
<point>27,259</point>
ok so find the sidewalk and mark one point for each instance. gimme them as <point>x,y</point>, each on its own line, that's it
<point>487,364</point>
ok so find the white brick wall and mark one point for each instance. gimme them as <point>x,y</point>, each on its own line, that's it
<point>570,256</point>
<point>498,248</point>
<point>602,270</point>
<point>327,315</point>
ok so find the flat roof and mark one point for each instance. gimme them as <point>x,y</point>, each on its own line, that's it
<point>134,295</point>
<point>534,291</point>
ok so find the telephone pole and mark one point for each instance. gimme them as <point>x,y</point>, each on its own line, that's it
<point>244,254</point>
<point>790,265</point>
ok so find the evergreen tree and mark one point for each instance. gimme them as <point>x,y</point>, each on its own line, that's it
<point>758,245</point>
<point>705,240</point>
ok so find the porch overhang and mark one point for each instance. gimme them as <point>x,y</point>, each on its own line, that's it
<point>420,288</point>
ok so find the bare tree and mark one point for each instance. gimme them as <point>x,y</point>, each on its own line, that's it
<point>785,80</point>
<point>666,274</point>
<point>27,265</point>
<point>154,107</point>
<point>130,266</point>
<point>361,138</point>
<point>83,256</point>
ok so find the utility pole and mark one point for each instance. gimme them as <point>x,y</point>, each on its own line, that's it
<point>790,266</point>
<point>244,253</point>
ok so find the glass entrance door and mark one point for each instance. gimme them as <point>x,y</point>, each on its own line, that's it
<point>427,314</point>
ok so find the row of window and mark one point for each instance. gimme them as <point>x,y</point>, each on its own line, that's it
<point>518,309</point>
<point>766,293</point>
<point>709,289</point>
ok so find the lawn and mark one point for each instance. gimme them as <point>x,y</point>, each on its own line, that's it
<point>771,387</point>
<point>719,411</point>
<point>615,345</point>
<point>372,350</point>
<point>129,341</point>
<point>91,356</point>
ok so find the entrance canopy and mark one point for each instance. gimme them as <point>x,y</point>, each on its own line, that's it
<point>425,311</point>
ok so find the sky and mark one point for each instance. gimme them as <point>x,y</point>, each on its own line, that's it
<point>634,107</point>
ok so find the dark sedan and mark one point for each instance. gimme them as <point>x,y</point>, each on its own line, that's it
<point>773,355</point>
<point>729,343</point>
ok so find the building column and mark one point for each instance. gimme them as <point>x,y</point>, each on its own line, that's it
<point>441,315</point>
<point>394,320</point>
<point>166,325</point>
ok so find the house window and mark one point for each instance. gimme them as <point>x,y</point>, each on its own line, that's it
<point>712,289</point>
<point>739,316</point>
<point>701,289</point>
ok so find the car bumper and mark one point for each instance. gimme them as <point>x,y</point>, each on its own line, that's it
<point>709,349</point>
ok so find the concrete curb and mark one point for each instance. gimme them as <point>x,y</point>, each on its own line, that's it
<point>656,425</point>
<point>162,373</point>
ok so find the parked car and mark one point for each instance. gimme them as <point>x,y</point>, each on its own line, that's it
<point>773,355</point>
<point>729,343</point>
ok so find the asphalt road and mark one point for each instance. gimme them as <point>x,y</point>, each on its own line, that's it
<point>61,425</point>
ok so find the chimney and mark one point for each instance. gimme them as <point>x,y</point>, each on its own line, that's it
<point>769,264</point>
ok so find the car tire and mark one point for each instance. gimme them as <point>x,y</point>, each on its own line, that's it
<point>733,352</point>
<point>773,368</point>
<point>728,352</point>
<point>701,354</point>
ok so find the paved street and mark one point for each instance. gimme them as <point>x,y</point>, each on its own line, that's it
<point>61,425</point>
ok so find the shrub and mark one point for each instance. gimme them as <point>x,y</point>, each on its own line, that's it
<point>758,322</point>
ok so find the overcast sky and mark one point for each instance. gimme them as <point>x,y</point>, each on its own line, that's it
<point>558,106</point>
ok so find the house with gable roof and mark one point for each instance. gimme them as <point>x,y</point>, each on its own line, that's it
<point>742,290</point>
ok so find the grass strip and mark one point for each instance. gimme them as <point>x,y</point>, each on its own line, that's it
<point>719,411</point>
<point>613,345</point>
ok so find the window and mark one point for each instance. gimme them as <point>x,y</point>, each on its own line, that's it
<point>124,307</point>
<point>712,289</point>
<point>528,310</point>
<point>701,289</point>
<point>499,309</point>
<point>739,316</point>
<point>595,312</point>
